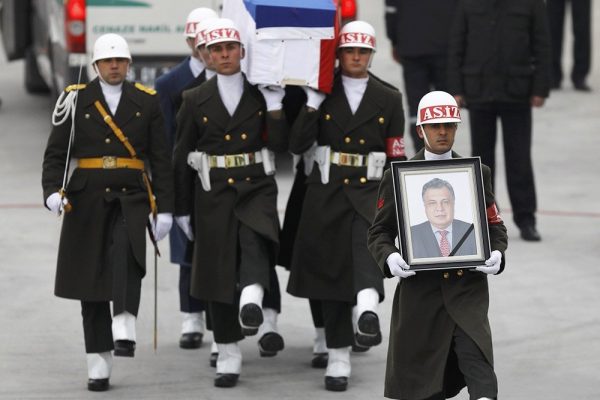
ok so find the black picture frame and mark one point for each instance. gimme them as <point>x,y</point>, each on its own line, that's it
<point>465,213</point>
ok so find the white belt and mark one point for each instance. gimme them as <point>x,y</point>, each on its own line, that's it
<point>348,159</point>
<point>235,160</point>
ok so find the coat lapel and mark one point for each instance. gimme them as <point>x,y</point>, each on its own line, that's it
<point>129,104</point>
<point>249,105</point>
<point>88,97</point>
<point>368,108</point>
<point>337,101</point>
<point>214,105</point>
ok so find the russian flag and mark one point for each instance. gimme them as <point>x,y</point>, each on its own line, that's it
<point>288,42</point>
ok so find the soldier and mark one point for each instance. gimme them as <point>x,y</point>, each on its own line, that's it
<point>440,335</point>
<point>191,72</point>
<point>119,135</point>
<point>359,130</point>
<point>227,131</point>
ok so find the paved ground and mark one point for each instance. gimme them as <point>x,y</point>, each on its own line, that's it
<point>544,308</point>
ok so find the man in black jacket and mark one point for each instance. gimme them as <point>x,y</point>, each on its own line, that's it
<point>420,45</point>
<point>499,67</point>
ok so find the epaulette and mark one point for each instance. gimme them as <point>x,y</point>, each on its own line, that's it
<point>70,88</point>
<point>145,89</point>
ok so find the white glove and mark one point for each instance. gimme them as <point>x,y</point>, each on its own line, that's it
<point>314,98</point>
<point>273,96</point>
<point>161,225</point>
<point>55,203</point>
<point>398,267</point>
<point>184,223</point>
<point>492,264</point>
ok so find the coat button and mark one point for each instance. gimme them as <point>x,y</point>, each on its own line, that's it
<point>327,117</point>
<point>87,116</point>
<point>107,190</point>
<point>107,140</point>
<point>347,139</point>
<point>346,181</point>
<point>228,137</point>
<point>138,114</point>
<point>231,181</point>
<point>204,120</point>
<point>381,120</point>
<point>446,275</point>
<point>362,141</point>
<point>260,113</point>
<point>248,179</point>
<point>244,136</point>
<point>123,189</point>
<point>363,180</point>
<point>459,272</point>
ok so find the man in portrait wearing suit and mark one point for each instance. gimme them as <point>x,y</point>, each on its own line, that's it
<point>441,235</point>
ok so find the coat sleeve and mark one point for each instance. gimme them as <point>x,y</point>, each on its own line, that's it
<point>55,155</point>
<point>496,228</point>
<point>278,131</point>
<point>305,130</point>
<point>185,142</point>
<point>391,20</point>
<point>395,150</point>
<point>382,233</point>
<point>541,51</point>
<point>456,51</point>
<point>160,160</point>
<point>168,109</point>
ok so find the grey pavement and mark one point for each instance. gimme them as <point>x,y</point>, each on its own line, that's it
<point>543,309</point>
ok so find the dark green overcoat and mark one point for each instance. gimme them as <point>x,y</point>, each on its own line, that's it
<point>83,271</point>
<point>428,306</point>
<point>322,257</point>
<point>238,195</point>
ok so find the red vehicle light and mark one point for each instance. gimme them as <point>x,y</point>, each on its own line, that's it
<point>75,25</point>
<point>348,9</point>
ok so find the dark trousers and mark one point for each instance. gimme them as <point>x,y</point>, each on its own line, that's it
<point>187,302</point>
<point>254,267</point>
<point>337,319</point>
<point>421,75</point>
<point>516,137</point>
<point>581,22</point>
<point>127,283</point>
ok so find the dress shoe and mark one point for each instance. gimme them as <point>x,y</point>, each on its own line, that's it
<point>582,87</point>
<point>226,380</point>
<point>250,319</point>
<point>530,234</point>
<point>269,344</point>
<point>192,340</point>
<point>98,385</point>
<point>368,333</point>
<point>336,384</point>
<point>357,348</point>
<point>213,359</point>
<point>124,348</point>
<point>319,360</point>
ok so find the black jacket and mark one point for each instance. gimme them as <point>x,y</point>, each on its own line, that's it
<point>499,51</point>
<point>419,27</point>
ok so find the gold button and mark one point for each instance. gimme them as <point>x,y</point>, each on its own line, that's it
<point>107,190</point>
<point>363,180</point>
<point>231,181</point>
<point>346,181</point>
<point>107,140</point>
<point>87,116</point>
<point>228,137</point>
<point>459,272</point>
<point>381,120</point>
<point>248,179</point>
<point>446,275</point>
<point>138,114</point>
<point>362,141</point>
<point>347,139</point>
<point>204,119</point>
<point>327,117</point>
<point>244,136</point>
<point>260,113</point>
<point>123,189</point>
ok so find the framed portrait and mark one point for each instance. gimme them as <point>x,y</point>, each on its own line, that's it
<point>441,213</point>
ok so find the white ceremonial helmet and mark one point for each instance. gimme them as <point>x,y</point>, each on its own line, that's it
<point>357,34</point>
<point>220,30</point>
<point>438,107</point>
<point>200,31</point>
<point>195,17</point>
<point>110,45</point>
